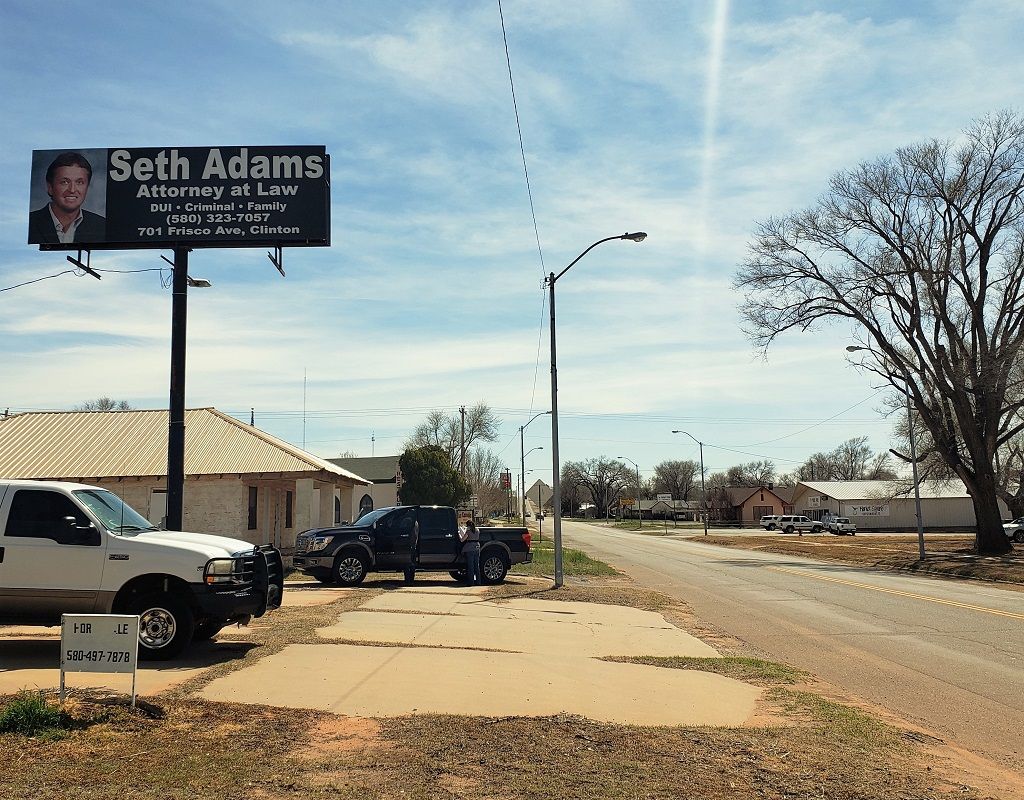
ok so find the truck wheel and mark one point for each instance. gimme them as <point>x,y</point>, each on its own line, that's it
<point>458,575</point>
<point>771,527</point>
<point>165,625</point>
<point>349,569</point>
<point>1018,536</point>
<point>206,629</point>
<point>493,566</point>
<point>789,529</point>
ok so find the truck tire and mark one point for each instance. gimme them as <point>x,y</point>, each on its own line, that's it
<point>459,575</point>
<point>789,529</point>
<point>349,568</point>
<point>771,526</point>
<point>493,566</point>
<point>166,625</point>
<point>1018,536</point>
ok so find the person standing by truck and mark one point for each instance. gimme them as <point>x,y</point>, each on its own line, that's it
<point>470,537</point>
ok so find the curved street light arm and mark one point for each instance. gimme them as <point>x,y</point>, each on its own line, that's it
<point>639,236</point>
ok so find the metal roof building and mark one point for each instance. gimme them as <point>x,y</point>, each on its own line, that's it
<point>239,480</point>
<point>888,505</point>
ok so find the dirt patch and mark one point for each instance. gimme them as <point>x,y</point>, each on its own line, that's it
<point>945,554</point>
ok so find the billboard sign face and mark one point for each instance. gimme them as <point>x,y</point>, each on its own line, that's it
<point>167,197</point>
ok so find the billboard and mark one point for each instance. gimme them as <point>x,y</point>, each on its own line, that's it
<point>160,198</point>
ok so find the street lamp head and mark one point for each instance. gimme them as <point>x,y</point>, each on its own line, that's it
<point>639,236</point>
<point>852,348</point>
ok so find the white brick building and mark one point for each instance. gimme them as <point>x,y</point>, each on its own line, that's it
<point>239,481</point>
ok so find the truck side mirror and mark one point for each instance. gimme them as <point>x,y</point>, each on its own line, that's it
<point>74,533</point>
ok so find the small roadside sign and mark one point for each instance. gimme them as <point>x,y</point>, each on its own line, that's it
<point>627,501</point>
<point>99,643</point>
<point>664,498</point>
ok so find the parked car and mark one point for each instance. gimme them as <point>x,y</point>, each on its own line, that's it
<point>1015,530</point>
<point>770,522</point>
<point>841,525</point>
<point>797,523</point>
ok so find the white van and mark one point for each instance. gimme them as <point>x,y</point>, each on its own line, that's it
<point>70,548</point>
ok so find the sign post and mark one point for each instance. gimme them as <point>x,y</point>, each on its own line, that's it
<point>99,643</point>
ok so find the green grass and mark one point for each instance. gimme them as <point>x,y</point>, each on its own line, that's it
<point>749,670</point>
<point>575,563</point>
<point>31,714</point>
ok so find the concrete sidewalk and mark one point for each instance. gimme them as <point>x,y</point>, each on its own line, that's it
<point>450,651</point>
<point>442,649</point>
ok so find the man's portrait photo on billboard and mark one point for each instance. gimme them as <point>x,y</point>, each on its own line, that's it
<point>67,200</point>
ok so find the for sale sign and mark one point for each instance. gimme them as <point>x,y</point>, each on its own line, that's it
<point>180,196</point>
<point>99,643</point>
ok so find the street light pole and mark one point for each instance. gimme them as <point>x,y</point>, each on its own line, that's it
<point>913,452</point>
<point>639,511</point>
<point>522,466</point>
<point>556,495</point>
<point>703,492</point>
<point>523,496</point>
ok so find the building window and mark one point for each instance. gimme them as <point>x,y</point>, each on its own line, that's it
<point>253,495</point>
<point>337,510</point>
<point>365,505</point>
<point>287,509</point>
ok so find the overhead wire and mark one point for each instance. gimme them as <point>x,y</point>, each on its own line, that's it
<point>533,215</point>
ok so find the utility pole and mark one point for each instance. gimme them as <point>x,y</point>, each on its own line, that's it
<point>462,446</point>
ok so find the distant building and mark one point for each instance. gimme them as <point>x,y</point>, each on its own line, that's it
<point>889,505</point>
<point>385,476</point>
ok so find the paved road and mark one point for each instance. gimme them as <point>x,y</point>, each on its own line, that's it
<point>947,655</point>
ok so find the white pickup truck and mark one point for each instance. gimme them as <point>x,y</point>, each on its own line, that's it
<point>70,548</point>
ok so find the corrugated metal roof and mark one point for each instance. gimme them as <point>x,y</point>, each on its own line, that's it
<point>866,490</point>
<point>98,444</point>
<point>379,469</point>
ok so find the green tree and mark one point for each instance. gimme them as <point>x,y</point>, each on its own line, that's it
<point>428,478</point>
<point>922,254</point>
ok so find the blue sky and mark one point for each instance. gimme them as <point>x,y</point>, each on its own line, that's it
<point>689,120</point>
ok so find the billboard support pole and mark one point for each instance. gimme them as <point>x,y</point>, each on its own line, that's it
<point>176,409</point>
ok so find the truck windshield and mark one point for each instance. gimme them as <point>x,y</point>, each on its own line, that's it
<point>115,515</point>
<point>367,520</point>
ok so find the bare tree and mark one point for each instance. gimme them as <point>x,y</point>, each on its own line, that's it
<point>678,478</point>
<point>104,404</point>
<point>754,473</point>
<point>850,461</point>
<point>923,252</point>
<point>445,430</point>
<point>483,473</point>
<point>603,478</point>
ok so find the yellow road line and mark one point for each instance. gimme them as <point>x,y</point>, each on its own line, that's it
<point>901,594</point>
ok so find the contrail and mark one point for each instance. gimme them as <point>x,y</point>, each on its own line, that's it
<point>711,104</point>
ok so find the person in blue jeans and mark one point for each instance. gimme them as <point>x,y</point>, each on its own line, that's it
<point>470,537</point>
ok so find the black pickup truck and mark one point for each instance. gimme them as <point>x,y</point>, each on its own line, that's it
<point>405,539</point>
